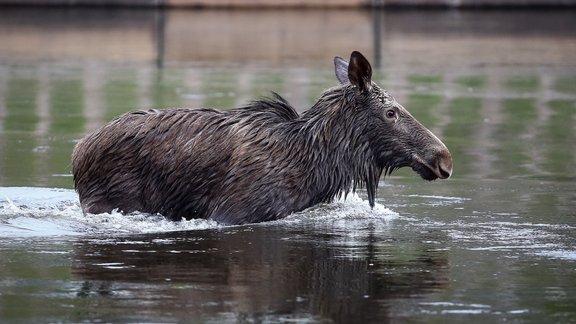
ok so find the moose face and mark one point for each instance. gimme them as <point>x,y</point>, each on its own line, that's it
<point>396,138</point>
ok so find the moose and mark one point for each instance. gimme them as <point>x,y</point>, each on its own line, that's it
<point>257,163</point>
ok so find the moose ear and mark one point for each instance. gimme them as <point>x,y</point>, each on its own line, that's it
<point>341,68</point>
<point>360,71</point>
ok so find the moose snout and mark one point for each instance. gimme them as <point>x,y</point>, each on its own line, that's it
<point>437,164</point>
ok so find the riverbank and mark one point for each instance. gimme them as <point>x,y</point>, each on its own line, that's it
<point>298,3</point>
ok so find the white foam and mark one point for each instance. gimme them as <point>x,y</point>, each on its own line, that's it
<point>28,212</point>
<point>344,208</point>
<point>141,223</point>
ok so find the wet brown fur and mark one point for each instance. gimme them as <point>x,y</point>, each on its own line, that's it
<point>256,163</point>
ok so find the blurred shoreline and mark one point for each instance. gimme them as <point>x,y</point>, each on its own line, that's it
<point>288,37</point>
<point>274,4</point>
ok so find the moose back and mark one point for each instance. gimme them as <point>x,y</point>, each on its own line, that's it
<point>259,162</point>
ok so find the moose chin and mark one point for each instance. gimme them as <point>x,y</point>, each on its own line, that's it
<point>259,162</point>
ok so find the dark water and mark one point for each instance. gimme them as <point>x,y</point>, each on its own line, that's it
<point>495,243</point>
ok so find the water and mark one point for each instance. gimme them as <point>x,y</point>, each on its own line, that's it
<point>495,243</point>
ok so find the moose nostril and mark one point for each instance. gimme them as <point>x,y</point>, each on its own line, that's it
<point>445,174</point>
<point>445,168</point>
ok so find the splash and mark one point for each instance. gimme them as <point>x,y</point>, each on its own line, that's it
<point>142,223</point>
<point>344,208</point>
<point>26,212</point>
<point>48,212</point>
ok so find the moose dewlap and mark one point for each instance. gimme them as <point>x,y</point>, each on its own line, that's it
<point>256,163</point>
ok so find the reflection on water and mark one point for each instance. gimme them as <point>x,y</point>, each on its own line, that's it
<point>235,274</point>
<point>500,120</point>
<point>493,134</point>
<point>494,243</point>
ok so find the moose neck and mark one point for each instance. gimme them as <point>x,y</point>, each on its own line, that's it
<point>339,154</point>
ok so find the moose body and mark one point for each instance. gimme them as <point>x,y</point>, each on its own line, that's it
<point>257,163</point>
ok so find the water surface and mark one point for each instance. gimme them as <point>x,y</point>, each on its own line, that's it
<point>495,243</point>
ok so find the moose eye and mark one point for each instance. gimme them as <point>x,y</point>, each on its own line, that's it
<point>390,113</point>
